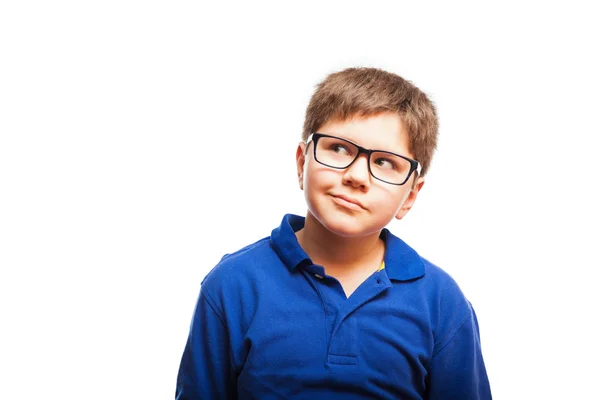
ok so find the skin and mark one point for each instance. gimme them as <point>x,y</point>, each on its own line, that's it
<point>343,238</point>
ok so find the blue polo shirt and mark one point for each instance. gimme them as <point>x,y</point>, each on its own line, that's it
<point>270,324</point>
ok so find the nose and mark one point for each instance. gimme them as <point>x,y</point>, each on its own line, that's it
<point>357,174</point>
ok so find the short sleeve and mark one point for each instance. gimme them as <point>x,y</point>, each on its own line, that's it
<point>206,370</point>
<point>457,370</point>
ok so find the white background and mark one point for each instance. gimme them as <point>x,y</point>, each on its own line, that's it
<point>142,140</point>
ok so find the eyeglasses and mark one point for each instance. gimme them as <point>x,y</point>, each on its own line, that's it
<point>338,153</point>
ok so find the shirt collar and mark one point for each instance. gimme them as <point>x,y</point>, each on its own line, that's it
<point>402,263</point>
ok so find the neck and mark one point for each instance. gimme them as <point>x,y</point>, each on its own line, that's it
<point>328,249</point>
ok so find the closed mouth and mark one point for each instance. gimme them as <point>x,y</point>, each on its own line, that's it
<point>349,200</point>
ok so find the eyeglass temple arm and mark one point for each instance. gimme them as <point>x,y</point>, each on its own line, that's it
<point>308,139</point>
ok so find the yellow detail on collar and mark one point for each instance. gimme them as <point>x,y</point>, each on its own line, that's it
<point>382,266</point>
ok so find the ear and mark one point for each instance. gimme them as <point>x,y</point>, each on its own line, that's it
<point>300,159</point>
<point>411,198</point>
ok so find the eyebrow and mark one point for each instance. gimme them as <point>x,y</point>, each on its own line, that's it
<point>356,144</point>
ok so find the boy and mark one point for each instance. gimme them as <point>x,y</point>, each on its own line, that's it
<point>333,305</point>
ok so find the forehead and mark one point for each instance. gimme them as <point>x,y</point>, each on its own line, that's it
<point>385,131</point>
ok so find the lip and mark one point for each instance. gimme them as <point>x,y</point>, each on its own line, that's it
<point>348,202</point>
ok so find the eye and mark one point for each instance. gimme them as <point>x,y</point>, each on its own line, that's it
<point>386,163</point>
<point>340,149</point>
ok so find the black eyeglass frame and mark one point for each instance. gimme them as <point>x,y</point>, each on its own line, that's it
<point>414,164</point>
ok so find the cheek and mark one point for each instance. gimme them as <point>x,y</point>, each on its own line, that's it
<point>389,200</point>
<point>319,177</point>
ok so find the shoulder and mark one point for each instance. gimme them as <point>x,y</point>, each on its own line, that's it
<point>239,262</point>
<point>239,274</point>
<point>439,281</point>
<point>407,265</point>
<point>448,307</point>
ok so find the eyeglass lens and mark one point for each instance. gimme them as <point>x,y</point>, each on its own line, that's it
<point>338,153</point>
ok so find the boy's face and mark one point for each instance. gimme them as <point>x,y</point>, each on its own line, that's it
<point>377,202</point>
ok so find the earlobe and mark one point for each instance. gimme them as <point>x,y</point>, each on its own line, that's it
<point>300,159</point>
<point>411,198</point>
<point>300,156</point>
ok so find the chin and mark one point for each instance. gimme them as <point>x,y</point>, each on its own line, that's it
<point>347,225</point>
